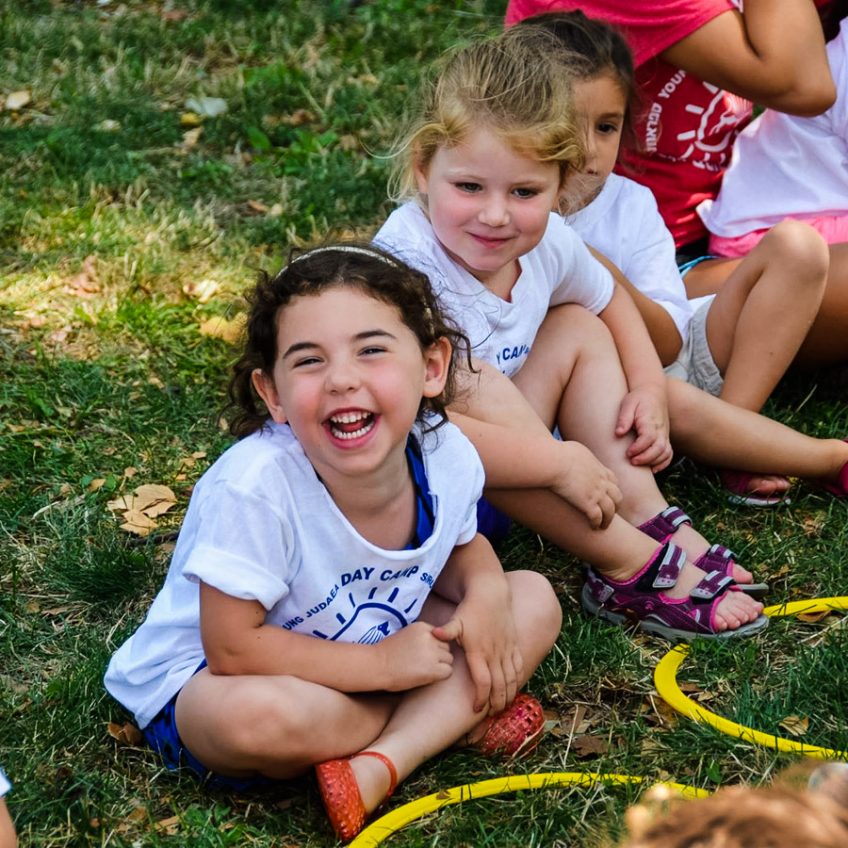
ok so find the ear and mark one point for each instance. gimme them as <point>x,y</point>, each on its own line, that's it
<point>437,359</point>
<point>420,170</point>
<point>266,389</point>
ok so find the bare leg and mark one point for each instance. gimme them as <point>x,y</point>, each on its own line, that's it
<point>241,725</point>
<point>827,341</point>
<point>764,311</point>
<point>573,378</point>
<point>718,433</point>
<point>620,550</point>
<point>430,719</point>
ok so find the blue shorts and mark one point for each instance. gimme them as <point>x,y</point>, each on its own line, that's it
<point>492,523</point>
<point>162,735</point>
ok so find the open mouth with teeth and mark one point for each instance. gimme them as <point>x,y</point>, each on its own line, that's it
<point>351,425</point>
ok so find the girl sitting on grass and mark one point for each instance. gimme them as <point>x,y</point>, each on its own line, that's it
<point>736,344</point>
<point>485,163</point>
<point>329,602</point>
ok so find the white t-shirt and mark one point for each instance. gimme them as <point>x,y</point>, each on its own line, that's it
<point>624,223</point>
<point>5,786</point>
<point>558,270</point>
<point>261,526</point>
<point>787,166</point>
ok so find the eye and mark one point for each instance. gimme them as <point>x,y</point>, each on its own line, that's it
<point>607,128</point>
<point>371,350</point>
<point>525,193</point>
<point>469,188</point>
<point>305,361</point>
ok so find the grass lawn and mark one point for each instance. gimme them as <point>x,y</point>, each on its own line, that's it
<point>155,153</point>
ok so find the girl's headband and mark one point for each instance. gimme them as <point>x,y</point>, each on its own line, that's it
<point>346,248</point>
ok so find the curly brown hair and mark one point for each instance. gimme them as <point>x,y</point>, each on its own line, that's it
<point>361,266</point>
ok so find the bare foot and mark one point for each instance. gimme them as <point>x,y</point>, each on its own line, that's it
<point>733,610</point>
<point>373,779</point>
<point>695,545</point>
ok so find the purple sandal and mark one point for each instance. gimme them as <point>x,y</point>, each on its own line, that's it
<point>716,558</point>
<point>642,600</point>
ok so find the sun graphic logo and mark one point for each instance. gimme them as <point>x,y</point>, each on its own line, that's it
<point>710,141</point>
<point>371,619</point>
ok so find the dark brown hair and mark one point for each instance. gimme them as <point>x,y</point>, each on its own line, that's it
<point>361,266</point>
<point>594,48</point>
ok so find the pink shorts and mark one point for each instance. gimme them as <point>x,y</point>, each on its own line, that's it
<point>833,228</point>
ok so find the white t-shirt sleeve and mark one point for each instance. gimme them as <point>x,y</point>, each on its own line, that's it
<point>5,786</point>
<point>582,279</point>
<point>242,547</point>
<point>652,266</point>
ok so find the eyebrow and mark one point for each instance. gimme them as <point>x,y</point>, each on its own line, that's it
<point>359,337</point>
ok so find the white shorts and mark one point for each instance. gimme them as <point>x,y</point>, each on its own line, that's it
<point>695,363</point>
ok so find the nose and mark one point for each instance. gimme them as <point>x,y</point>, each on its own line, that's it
<point>342,376</point>
<point>590,151</point>
<point>494,211</point>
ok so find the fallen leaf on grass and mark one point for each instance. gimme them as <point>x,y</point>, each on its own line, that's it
<point>221,328</point>
<point>795,725</point>
<point>140,508</point>
<point>85,283</point>
<point>190,119</point>
<point>170,826</point>
<point>813,617</point>
<point>126,734</point>
<point>589,746</point>
<point>191,137</point>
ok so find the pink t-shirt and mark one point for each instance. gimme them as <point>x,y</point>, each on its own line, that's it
<point>686,128</point>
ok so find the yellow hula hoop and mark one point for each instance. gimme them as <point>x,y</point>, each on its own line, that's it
<point>665,679</point>
<point>388,824</point>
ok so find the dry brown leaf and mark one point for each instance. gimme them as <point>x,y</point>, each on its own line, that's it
<point>589,746</point>
<point>221,328</point>
<point>125,734</point>
<point>795,725</point>
<point>122,503</point>
<point>85,283</point>
<point>96,484</point>
<point>813,617</point>
<point>138,523</point>
<point>257,207</point>
<point>191,137</point>
<point>170,826</point>
<point>151,493</point>
<point>129,471</point>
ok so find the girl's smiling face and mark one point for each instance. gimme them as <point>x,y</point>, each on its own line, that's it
<point>349,377</point>
<point>601,106</point>
<point>488,205</point>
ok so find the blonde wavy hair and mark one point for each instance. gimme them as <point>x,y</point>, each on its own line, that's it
<point>517,84</point>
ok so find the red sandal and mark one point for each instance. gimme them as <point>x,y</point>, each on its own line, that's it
<point>341,796</point>
<point>515,732</point>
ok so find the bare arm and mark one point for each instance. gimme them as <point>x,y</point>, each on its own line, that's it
<point>773,54</point>
<point>236,640</point>
<point>661,327</point>
<point>639,359</point>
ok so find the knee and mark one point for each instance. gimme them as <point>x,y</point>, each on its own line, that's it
<point>257,719</point>
<point>797,246</point>
<point>535,601</point>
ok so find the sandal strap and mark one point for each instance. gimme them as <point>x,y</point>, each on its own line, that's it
<point>393,778</point>
<point>660,572</point>
<point>711,586</point>
<point>663,569</point>
<point>665,524</point>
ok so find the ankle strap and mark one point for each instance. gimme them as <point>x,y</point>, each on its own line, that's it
<point>393,778</point>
